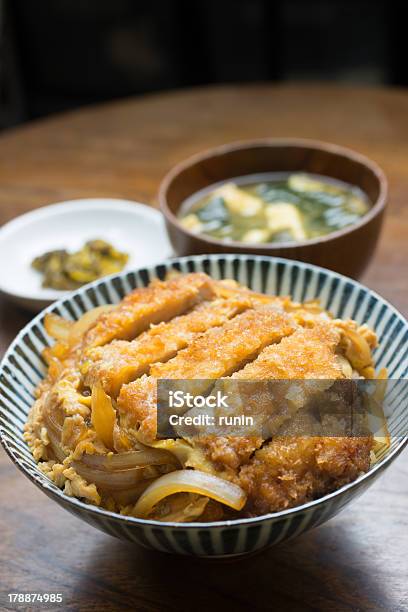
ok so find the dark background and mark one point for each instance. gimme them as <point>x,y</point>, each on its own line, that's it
<point>61,54</point>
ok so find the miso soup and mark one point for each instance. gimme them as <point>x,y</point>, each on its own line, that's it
<point>273,208</point>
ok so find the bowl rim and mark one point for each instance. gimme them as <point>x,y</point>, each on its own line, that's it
<point>52,490</point>
<point>376,208</point>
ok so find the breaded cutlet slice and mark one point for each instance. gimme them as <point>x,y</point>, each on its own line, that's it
<point>160,301</point>
<point>216,353</point>
<point>120,362</point>
<point>309,353</point>
<point>223,350</point>
<point>290,471</point>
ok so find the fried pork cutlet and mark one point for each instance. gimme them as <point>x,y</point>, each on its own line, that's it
<point>160,301</point>
<point>223,350</point>
<point>309,353</point>
<point>121,362</point>
<point>218,352</point>
<point>289,362</point>
<point>290,471</point>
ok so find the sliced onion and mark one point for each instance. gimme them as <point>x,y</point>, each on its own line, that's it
<point>358,351</point>
<point>51,422</point>
<point>129,496</point>
<point>71,332</point>
<point>123,461</point>
<point>129,481</point>
<point>79,328</point>
<point>187,455</point>
<point>57,327</point>
<point>190,481</point>
<point>181,508</point>
<point>377,421</point>
<point>58,451</point>
<point>103,415</point>
<point>118,480</point>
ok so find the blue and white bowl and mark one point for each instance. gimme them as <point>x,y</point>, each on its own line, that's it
<point>23,368</point>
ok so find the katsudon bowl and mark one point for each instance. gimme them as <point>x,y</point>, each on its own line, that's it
<point>23,368</point>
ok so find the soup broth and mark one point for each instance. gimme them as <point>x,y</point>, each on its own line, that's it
<point>273,208</point>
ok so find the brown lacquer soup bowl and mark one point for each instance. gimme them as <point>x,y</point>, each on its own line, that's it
<point>347,250</point>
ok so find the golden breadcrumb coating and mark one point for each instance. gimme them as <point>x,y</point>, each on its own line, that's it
<point>288,472</point>
<point>96,410</point>
<point>160,301</point>
<point>120,362</point>
<point>216,353</point>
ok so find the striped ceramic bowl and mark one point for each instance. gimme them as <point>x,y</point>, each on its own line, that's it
<point>23,367</point>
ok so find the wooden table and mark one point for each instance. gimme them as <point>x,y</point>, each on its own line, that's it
<point>358,560</point>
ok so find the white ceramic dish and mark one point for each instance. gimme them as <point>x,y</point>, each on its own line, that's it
<point>131,227</point>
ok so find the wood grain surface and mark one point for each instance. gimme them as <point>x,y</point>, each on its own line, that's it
<point>357,561</point>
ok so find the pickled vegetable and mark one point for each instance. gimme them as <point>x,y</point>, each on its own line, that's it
<point>65,271</point>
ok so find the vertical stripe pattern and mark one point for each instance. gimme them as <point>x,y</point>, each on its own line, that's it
<point>23,367</point>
